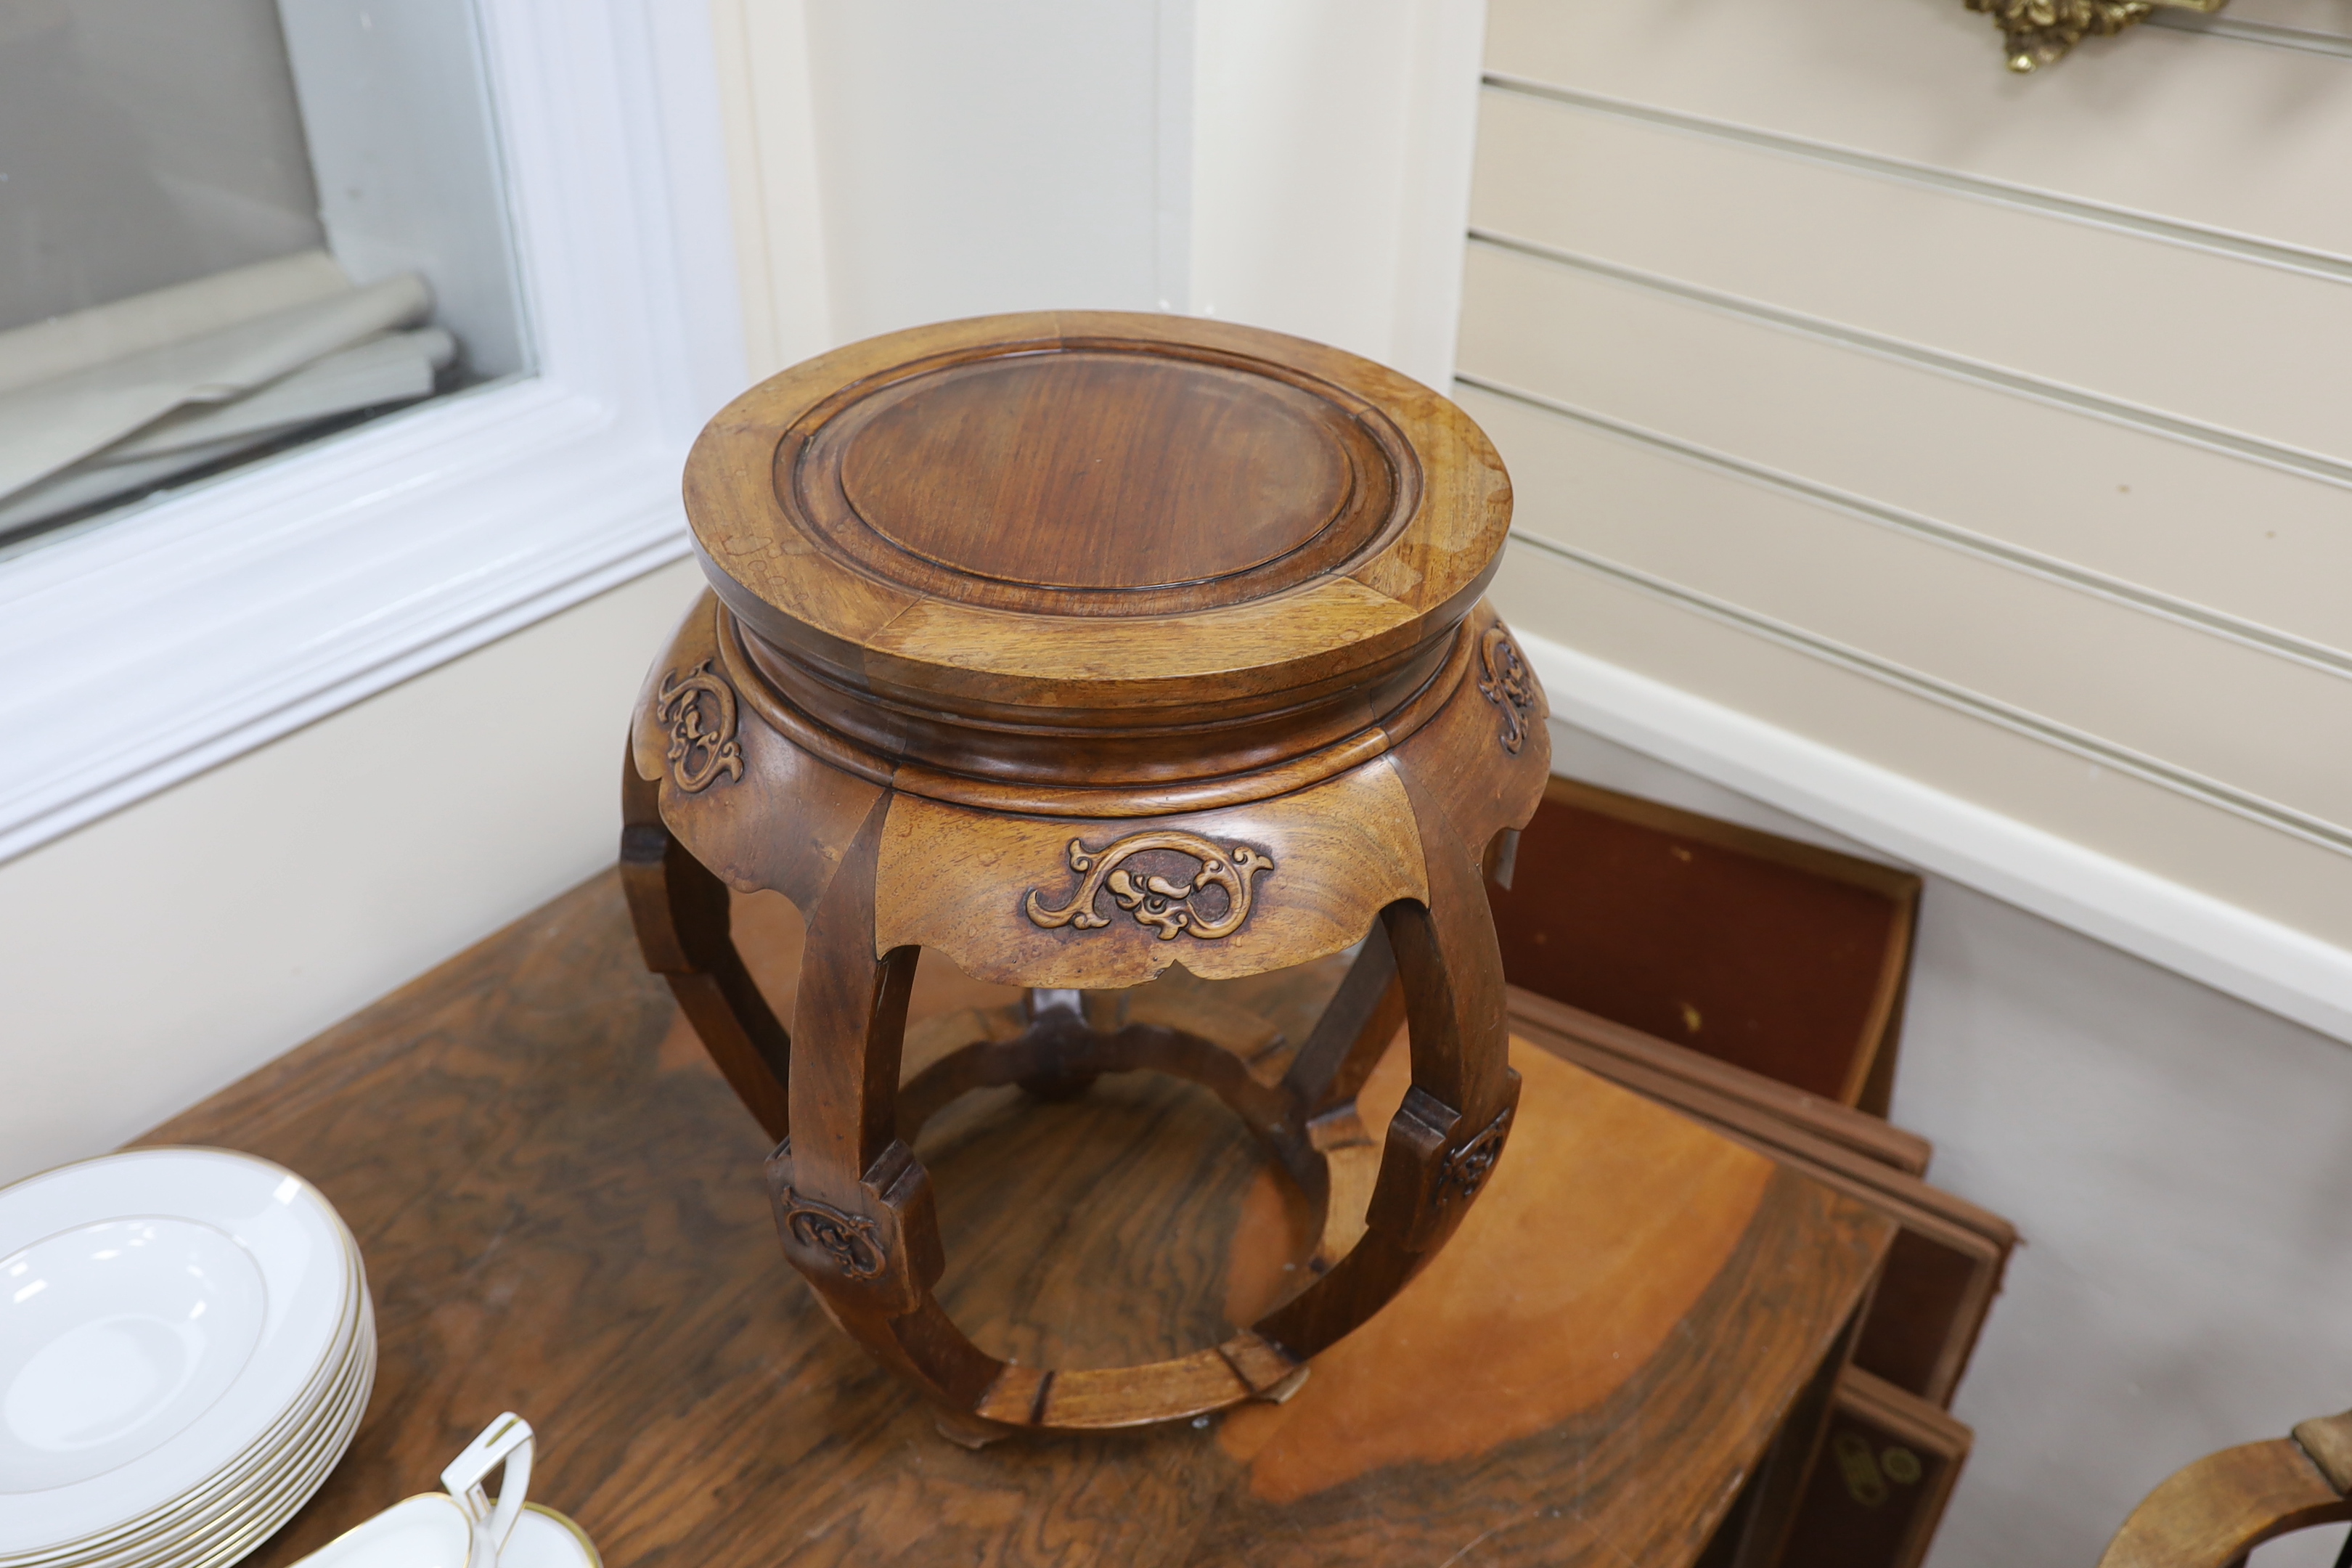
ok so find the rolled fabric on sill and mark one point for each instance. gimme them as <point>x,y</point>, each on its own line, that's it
<point>49,426</point>
<point>393,367</point>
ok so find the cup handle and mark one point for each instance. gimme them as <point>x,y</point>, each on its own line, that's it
<point>505,1441</point>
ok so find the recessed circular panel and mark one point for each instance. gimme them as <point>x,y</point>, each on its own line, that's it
<point>1100,471</point>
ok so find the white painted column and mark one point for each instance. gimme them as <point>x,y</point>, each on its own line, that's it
<point>1298,164</point>
<point>1331,175</point>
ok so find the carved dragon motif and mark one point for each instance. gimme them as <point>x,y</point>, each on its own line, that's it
<point>1466,1169</point>
<point>850,1241</point>
<point>698,753</point>
<point>1506,681</point>
<point>1155,902</point>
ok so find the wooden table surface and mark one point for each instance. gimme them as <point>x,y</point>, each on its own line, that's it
<point>561,1211</point>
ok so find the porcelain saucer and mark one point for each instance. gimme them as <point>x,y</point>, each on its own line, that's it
<point>463,1526</point>
<point>430,1530</point>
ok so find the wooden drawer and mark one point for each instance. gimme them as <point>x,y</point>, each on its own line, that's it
<point>1769,954</point>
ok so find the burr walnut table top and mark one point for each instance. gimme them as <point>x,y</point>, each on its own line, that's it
<point>561,1211</point>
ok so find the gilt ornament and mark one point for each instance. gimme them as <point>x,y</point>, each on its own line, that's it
<point>2038,32</point>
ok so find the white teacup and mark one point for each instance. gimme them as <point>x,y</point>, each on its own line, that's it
<point>464,1527</point>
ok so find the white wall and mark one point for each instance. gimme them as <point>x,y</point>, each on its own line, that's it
<point>984,158</point>
<point>1781,319</point>
<point>1331,143</point>
<point>1825,492</point>
<point>162,953</point>
<point>2174,1159</point>
<point>1302,166</point>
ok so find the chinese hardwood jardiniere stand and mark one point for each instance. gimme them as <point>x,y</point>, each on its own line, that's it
<point>1074,646</point>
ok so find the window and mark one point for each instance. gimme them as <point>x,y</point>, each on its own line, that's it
<point>231,227</point>
<point>145,644</point>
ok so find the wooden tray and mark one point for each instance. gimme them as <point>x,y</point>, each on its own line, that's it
<point>1947,1264</point>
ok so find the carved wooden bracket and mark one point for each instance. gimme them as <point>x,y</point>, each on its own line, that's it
<point>702,743</point>
<point>2039,31</point>
<point>1506,682</point>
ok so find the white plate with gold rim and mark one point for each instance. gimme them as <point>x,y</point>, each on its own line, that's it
<point>162,1311</point>
<point>290,1464</point>
<point>275,1480</point>
<point>268,1453</point>
<point>234,1525</point>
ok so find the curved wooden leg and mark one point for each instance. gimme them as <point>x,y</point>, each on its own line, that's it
<point>1356,1027</point>
<point>1447,1137</point>
<point>855,1210</point>
<point>1056,1019</point>
<point>853,1205</point>
<point>680,913</point>
<point>1322,1084</point>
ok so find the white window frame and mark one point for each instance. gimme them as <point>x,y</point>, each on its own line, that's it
<point>141,650</point>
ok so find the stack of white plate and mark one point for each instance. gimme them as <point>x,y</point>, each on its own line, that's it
<point>186,1346</point>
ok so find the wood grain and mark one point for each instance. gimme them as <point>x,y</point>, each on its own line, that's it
<point>738,829</point>
<point>1132,642</point>
<point>682,913</point>
<point>1626,1270</point>
<point>1484,758</point>
<point>560,1207</point>
<point>1095,565</point>
<point>1945,1267</point>
<point>1865,1134</point>
<point>1100,471</point>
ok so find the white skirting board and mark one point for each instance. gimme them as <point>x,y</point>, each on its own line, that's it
<point>2219,944</point>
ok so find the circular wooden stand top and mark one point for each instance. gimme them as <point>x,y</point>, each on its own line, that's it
<point>1194,563</point>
